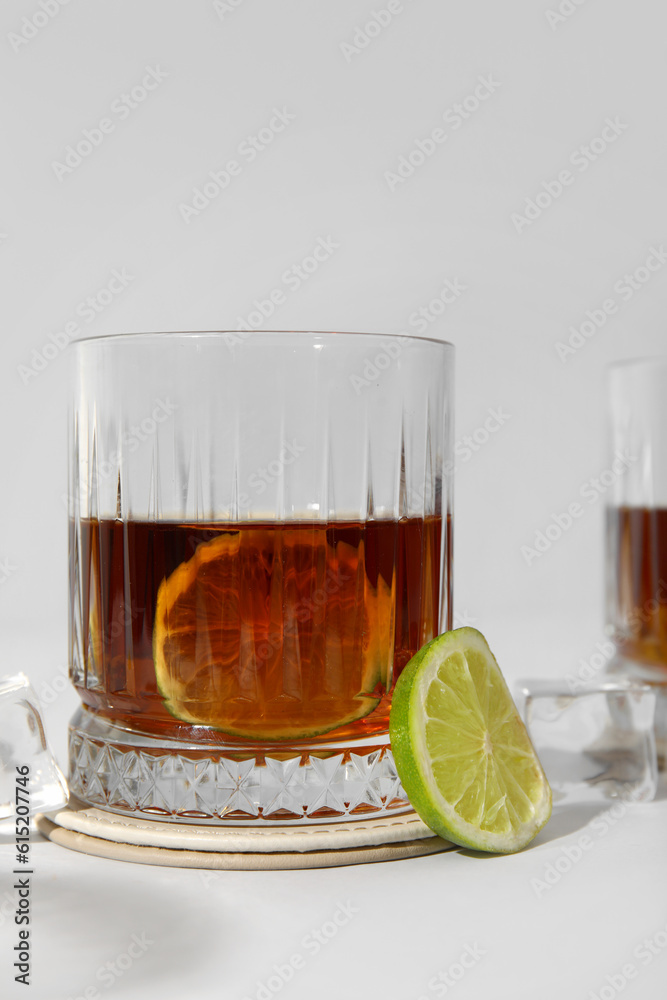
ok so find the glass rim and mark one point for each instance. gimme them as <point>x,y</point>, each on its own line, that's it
<point>195,334</point>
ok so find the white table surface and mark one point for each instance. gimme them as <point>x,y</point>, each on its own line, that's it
<point>219,935</point>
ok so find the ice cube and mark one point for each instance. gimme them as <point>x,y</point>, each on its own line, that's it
<point>23,743</point>
<point>595,743</point>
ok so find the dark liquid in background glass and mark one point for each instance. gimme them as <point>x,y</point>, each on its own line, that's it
<point>274,630</point>
<point>637,582</point>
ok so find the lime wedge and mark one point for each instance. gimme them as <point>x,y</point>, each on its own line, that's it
<point>207,678</point>
<point>462,752</point>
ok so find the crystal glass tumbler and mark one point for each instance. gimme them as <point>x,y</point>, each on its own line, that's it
<point>637,528</point>
<point>260,539</point>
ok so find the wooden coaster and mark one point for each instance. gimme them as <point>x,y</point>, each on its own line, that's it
<point>126,838</point>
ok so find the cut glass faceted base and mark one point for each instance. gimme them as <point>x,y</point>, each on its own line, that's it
<point>127,772</point>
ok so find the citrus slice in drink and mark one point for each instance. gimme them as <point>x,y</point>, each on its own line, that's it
<point>461,750</point>
<point>215,668</point>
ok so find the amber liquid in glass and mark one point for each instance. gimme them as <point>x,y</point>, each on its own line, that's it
<point>637,543</point>
<point>256,631</point>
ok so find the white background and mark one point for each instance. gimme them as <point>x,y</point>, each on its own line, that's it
<point>356,113</point>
